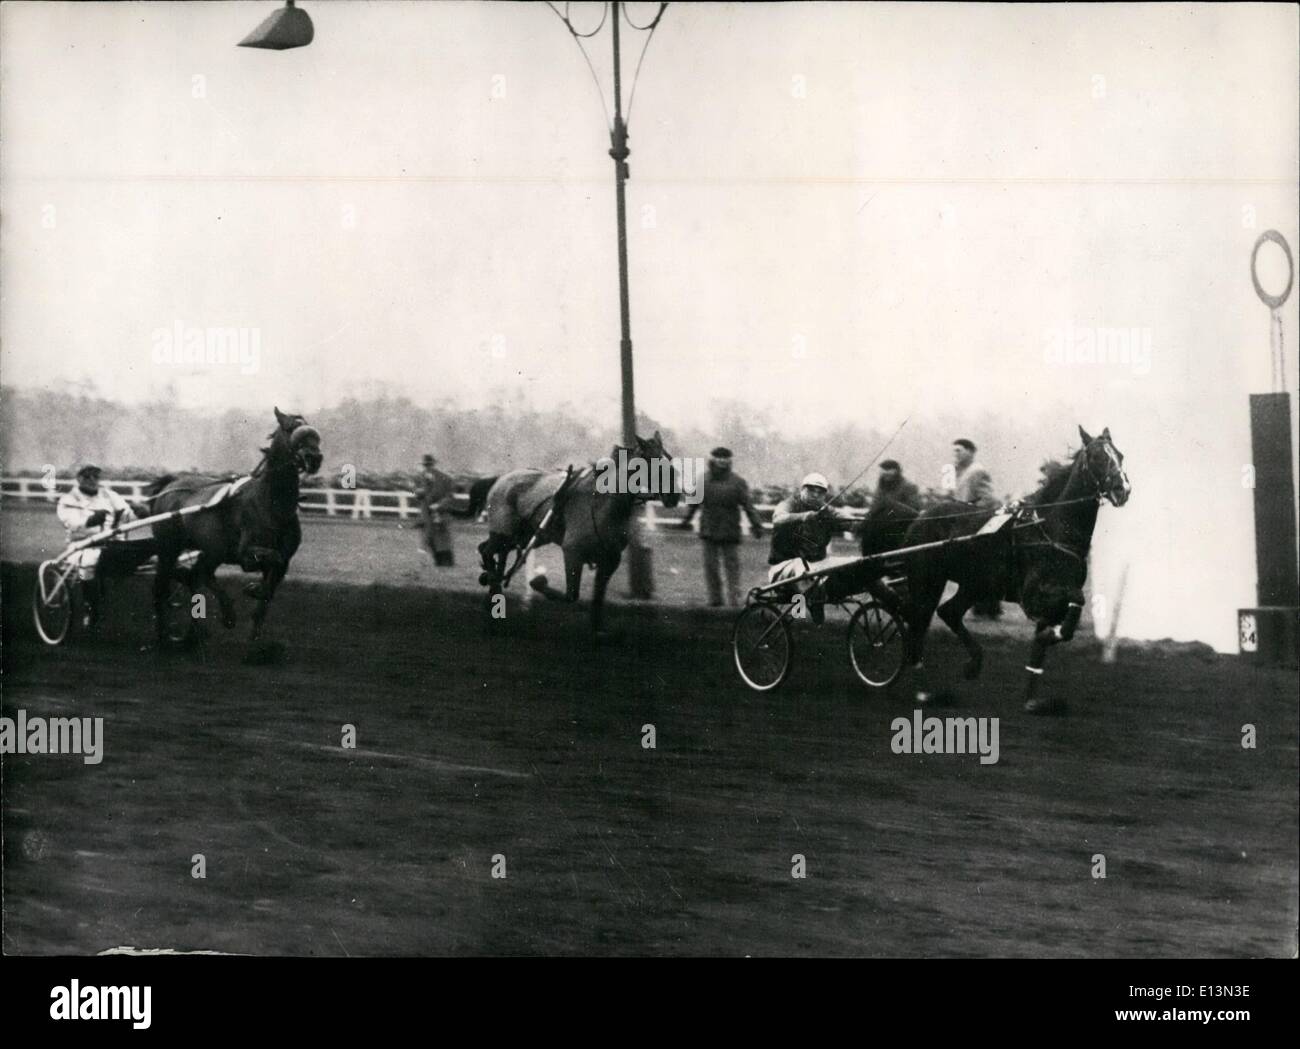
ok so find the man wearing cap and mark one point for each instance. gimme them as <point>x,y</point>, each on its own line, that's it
<point>802,528</point>
<point>89,508</point>
<point>894,505</point>
<point>971,482</point>
<point>436,491</point>
<point>724,498</point>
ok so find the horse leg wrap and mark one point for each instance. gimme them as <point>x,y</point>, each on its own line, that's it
<point>1065,630</point>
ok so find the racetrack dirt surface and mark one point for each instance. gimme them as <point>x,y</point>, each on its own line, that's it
<point>528,745</point>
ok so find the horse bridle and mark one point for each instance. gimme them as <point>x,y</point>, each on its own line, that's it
<point>1079,553</point>
<point>296,439</point>
<point>1102,490</point>
<point>637,497</point>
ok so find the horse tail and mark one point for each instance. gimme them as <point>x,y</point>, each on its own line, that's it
<point>478,493</point>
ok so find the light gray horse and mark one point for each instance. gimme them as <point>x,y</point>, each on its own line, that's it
<point>589,518</point>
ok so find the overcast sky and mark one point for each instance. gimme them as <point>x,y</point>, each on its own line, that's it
<point>840,211</point>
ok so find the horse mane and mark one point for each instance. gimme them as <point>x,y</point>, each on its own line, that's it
<point>158,484</point>
<point>1056,472</point>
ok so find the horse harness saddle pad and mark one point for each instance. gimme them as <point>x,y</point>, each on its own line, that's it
<point>996,523</point>
<point>226,491</point>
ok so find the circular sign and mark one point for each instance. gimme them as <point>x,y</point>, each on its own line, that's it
<point>1273,301</point>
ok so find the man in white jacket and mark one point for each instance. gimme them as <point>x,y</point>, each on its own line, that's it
<point>89,508</point>
<point>974,484</point>
<point>971,483</point>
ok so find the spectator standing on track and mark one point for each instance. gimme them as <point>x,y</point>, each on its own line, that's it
<point>724,498</point>
<point>436,491</point>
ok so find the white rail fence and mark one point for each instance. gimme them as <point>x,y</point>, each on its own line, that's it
<point>358,504</point>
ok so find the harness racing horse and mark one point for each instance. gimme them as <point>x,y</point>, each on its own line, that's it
<point>256,526</point>
<point>478,493</point>
<point>585,514</point>
<point>885,526</point>
<point>1039,561</point>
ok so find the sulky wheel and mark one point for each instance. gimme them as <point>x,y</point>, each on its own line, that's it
<point>763,647</point>
<point>877,645</point>
<point>52,601</point>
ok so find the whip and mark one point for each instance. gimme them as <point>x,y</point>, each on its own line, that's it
<point>870,464</point>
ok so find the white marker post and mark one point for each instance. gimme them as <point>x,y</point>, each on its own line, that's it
<point>1109,646</point>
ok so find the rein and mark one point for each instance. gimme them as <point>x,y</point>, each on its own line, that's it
<point>1017,507</point>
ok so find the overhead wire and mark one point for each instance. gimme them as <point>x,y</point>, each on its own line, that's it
<point>650,33</point>
<point>577,39</point>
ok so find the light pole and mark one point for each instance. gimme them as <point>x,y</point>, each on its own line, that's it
<point>291,27</point>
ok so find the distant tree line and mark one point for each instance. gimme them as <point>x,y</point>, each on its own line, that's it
<point>377,442</point>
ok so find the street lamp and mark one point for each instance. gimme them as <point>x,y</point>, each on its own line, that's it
<point>287,28</point>
<point>291,27</point>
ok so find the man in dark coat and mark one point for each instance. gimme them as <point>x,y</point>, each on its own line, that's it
<point>724,499</point>
<point>894,506</point>
<point>435,494</point>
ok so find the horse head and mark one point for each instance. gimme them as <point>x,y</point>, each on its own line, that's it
<point>660,465</point>
<point>294,442</point>
<point>1102,465</point>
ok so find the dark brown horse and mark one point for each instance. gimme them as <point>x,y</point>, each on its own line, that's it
<point>591,519</point>
<point>885,526</point>
<point>1040,561</point>
<point>256,527</point>
<point>478,493</point>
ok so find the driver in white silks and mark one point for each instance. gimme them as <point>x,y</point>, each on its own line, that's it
<point>89,508</point>
<point>802,528</point>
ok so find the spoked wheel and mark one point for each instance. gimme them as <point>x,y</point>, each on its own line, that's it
<point>763,647</point>
<point>877,645</point>
<point>179,624</point>
<point>52,603</point>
